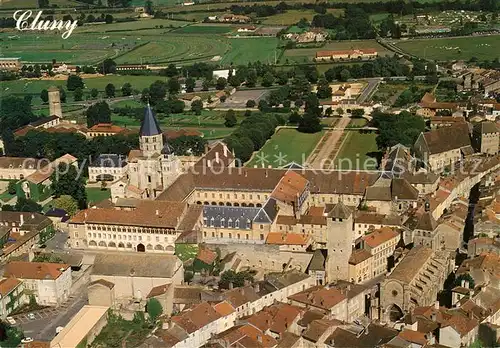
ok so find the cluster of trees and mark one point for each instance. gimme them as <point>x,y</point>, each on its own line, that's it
<point>252,133</point>
<point>236,279</point>
<point>98,113</point>
<point>400,7</point>
<point>354,24</point>
<point>188,145</point>
<point>68,181</point>
<point>412,94</point>
<point>401,129</point>
<point>23,204</point>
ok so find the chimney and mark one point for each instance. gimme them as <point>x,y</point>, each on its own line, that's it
<point>231,285</point>
<point>436,305</point>
<point>157,212</point>
<point>21,220</point>
<point>32,216</point>
<point>256,287</point>
<point>259,338</point>
<point>467,284</point>
<point>462,284</point>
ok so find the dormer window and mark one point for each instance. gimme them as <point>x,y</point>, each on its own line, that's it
<point>212,222</point>
<point>222,222</point>
<point>237,224</point>
<point>230,223</point>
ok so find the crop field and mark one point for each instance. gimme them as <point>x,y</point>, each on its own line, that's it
<point>133,25</point>
<point>289,17</point>
<point>357,152</point>
<point>302,55</point>
<point>246,50</point>
<point>205,29</point>
<point>289,144</point>
<point>481,47</point>
<point>174,48</point>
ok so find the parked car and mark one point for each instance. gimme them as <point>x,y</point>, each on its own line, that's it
<point>27,340</point>
<point>31,316</point>
<point>11,320</point>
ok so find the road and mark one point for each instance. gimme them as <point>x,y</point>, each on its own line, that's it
<point>44,326</point>
<point>368,90</point>
<point>323,156</point>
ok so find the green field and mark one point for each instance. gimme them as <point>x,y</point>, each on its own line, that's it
<point>129,26</point>
<point>175,48</point>
<point>36,86</point>
<point>481,47</point>
<point>246,50</point>
<point>356,150</point>
<point>289,17</point>
<point>18,4</point>
<point>301,55</point>
<point>79,49</point>
<point>293,146</point>
<point>205,29</point>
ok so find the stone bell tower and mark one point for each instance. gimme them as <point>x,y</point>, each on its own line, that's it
<point>55,102</point>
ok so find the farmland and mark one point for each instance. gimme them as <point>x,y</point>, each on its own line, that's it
<point>481,47</point>
<point>289,17</point>
<point>205,29</point>
<point>301,55</point>
<point>132,25</point>
<point>292,145</point>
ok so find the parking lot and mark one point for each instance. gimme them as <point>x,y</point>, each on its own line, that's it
<point>238,100</point>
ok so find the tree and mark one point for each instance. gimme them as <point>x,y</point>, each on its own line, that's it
<point>108,66</point>
<point>62,94</point>
<point>397,129</point>
<point>197,106</point>
<point>148,7</point>
<point>43,3</point>
<point>357,113</point>
<point>154,308</point>
<point>310,122</point>
<point>236,279</point>
<point>230,118</point>
<point>78,94</point>
<point>98,113</point>
<point>74,82</point>
<point>345,75</point>
<point>44,95</point>
<point>268,80</point>
<point>126,89</point>
<point>221,83</point>
<point>171,70</point>
<point>110,90</point>
<point>324,90</point>
<point>251,79</point>
<point>67,203</point>
<point>294,118</point>
<point>173,86</point>
<point>108,19</point>
<point>205,85</point>
<point>250,103</point>
<point>339,111</point>
<point>15,112</point>
<point>157,92</point>
<point>67,181</point>
<point>94,93</point>
<point>12,188</point>
<point>28,205</point>
<point>190,84</point>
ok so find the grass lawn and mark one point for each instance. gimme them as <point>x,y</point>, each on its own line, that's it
<point>360,122</point>
<point>354,153</point>
<point>246,50</point>
<point>95,194</point>
<point>481,47</point>
<point>117,330</point>
<point>133,25</point>
<point>186,251</point>
<point>6,196</point>
<point>302,55</point>
<point>293,146</point>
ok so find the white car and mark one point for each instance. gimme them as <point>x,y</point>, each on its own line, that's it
<point>27,340</point>
<point>11,320</point>
<point>31,316</point>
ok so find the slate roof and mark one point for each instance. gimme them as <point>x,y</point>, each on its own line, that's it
<point>402,189</point>
<point>486,127</point>
<point>226,217</point>
<point>373,333</point>
<point>268,212</point>
<point>149,126</point>
<point>317,262</point>
<point>109,161</point>
<point>408,268</point>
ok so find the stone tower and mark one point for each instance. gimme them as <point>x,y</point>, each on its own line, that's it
<point>151,137</point>
<point>55,102</point>
<point>339,242</point>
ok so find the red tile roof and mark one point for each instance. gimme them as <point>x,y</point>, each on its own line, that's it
<point>278,238</point>
<point>7,285</point>
<point>34,270</point>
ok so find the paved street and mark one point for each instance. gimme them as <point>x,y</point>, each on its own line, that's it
<point>368,90</point>
<point>58,242</point>
<point>43,327</point>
